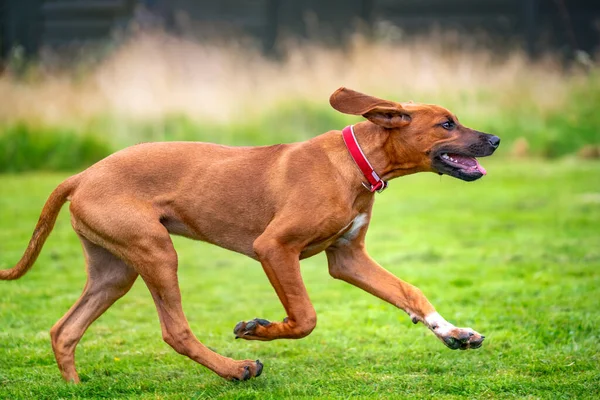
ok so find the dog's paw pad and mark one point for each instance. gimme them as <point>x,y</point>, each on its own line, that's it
<point>451,342</point>
<point>238,326</point>
<point>245,370</point>
<point>262,322</point>
<point>463,339</point>
<point>259,368</point>
<point>249,328</point>
<point>246,375</point>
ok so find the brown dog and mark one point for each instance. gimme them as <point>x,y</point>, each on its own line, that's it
<point>275,204</point>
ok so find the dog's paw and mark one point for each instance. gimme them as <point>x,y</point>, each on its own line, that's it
<point>460,338</point>
<point>245,370</point>
<point>249,330</point>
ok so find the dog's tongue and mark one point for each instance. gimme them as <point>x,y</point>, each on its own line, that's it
<point>470,163</point>
<point>481,169</point>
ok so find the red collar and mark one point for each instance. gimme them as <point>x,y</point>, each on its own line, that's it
<point>375,182</point>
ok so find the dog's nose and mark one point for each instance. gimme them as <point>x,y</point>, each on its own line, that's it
<point>494,141</point>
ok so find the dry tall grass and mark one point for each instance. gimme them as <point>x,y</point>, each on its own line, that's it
<point>153,75</point>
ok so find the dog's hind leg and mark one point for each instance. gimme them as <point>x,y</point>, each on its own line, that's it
<point>159,271</point>
<point>109,278</point>
<point>132,230</point>
<point>156,261</point>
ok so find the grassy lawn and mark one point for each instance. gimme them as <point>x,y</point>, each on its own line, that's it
<point>516,256</point>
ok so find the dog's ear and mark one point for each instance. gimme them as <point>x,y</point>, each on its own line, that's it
<point>381,112</point>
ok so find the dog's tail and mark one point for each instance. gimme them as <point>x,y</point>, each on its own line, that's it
<point>43,228</point>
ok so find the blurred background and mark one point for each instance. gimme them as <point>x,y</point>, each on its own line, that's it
<point>83,78</point>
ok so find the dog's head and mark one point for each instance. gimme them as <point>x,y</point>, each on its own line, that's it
<point>427,137</point>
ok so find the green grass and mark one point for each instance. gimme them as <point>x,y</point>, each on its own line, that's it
<point>515,255</point>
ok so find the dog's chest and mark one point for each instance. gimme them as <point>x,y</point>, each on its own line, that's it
<point>343,237</point>
<point>351,231</point>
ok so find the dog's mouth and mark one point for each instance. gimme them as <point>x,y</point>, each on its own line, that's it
<point>458,165</point>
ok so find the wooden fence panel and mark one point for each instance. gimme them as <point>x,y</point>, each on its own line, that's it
<point>66,22</point>
<point>550,24</point>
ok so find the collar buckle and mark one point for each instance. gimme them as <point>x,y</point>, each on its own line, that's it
<point>378,187</point>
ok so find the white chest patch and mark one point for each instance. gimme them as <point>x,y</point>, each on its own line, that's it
<point>357,223</point>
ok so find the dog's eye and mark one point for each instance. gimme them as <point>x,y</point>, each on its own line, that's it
<point>448,125</point>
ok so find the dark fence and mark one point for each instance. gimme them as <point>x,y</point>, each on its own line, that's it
<point>564,25</point>
<point>32,24</point>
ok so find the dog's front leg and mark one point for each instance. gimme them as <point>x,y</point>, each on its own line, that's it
<point>281,263</point>
<point>352,264</point>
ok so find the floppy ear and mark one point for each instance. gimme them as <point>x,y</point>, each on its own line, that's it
<point>381,112</point>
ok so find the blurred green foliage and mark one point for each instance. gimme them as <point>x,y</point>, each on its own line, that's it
<point>25,147</point>
<point>550,131</point>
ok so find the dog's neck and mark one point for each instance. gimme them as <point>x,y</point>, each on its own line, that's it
<point>386,151</point>
<point>374,182</point>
